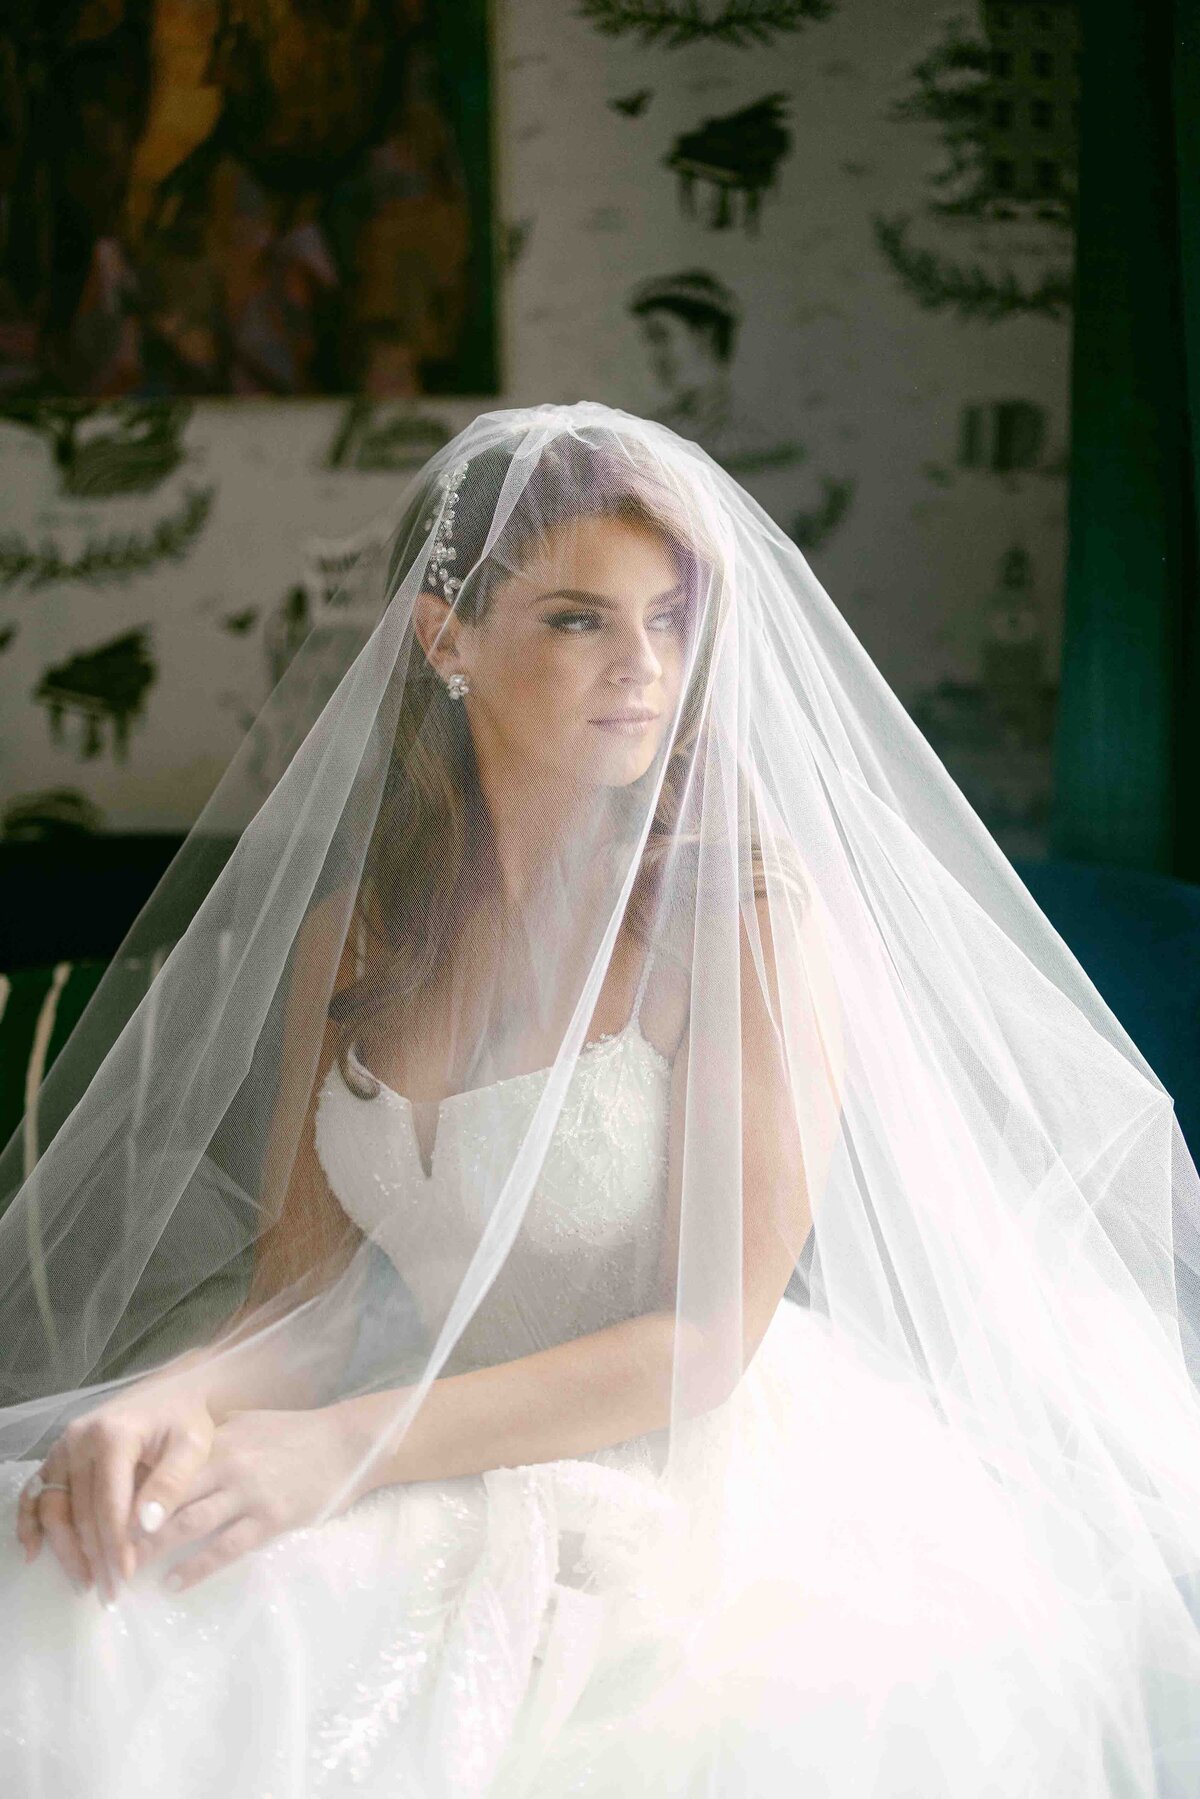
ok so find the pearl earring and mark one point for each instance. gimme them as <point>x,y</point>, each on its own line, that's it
<point>457,686</point>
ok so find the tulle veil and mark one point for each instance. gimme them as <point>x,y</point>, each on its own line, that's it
<point>896,1099</point>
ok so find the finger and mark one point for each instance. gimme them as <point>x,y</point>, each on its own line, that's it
<point>29,1522</point>
<point>171,1480</point>
<point>29,1527</point>
<point>190,1522</point>
<point>244,1534</point>
<point>63,1538</point>
<point>112,1499</point>
<point>84,1518</point>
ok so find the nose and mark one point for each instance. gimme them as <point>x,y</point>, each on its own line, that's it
<point>638,663</point>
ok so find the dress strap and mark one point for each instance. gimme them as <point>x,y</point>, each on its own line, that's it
<point>643,978</point>
<point>360,944</point>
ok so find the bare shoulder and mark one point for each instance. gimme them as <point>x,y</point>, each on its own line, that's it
<point>782,911</point>
<point>665,1006</point>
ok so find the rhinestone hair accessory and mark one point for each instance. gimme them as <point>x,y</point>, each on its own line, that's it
<point>443,552</point>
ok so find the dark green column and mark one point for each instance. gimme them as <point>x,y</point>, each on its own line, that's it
<point>1185,69</point>
<point>1126,738</point>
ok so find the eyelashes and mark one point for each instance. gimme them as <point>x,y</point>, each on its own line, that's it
<point>577,623</point>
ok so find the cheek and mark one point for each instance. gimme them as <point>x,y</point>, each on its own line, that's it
<point>673,655</point>
<point>564,655</point>
<point>542,678</point>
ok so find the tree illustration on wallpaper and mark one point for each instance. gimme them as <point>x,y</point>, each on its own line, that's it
<point>106,557</point>
<point>1014,652</point>
<point>674,24</point>
<point>103,449</point>
<point>735,158</point>
<point>101,688</point>
<point>995,732</point>
<point>377,435</point>
<point>1006,105</point>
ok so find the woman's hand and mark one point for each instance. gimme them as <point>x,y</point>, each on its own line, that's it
<point>266,1472</point>
<point>148,1442</point>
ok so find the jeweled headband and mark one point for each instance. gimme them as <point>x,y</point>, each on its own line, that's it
<point>443,552</point>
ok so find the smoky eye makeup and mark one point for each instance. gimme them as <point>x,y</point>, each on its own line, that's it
<point>578,618</point>
<point>579,623</point>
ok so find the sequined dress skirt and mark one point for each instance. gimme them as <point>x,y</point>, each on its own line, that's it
<point>827,1597</point>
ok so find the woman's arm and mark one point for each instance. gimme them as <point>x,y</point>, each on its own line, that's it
<point>273,1471</point>
<point>616,1383</point>
<point>582,1395</point>
<point>163,1421</point>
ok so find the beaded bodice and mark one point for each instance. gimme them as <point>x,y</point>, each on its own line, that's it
<point>586,1253</point>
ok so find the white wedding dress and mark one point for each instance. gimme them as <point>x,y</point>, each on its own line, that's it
<point>859,1615</point>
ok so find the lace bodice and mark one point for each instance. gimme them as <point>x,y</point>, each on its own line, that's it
<point>587,1250</point>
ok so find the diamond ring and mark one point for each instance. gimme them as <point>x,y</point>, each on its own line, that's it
<point>37,1486</point>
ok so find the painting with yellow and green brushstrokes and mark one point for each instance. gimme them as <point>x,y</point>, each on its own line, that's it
<point>246,197</point>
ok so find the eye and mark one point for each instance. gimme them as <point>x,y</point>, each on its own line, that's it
<point>671,617</point>
<point>574,623</point>
<point>565,621</point>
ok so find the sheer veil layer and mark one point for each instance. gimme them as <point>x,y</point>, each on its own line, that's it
<point>584,948</point>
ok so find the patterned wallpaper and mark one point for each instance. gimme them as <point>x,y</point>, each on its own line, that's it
<point>831,239</point>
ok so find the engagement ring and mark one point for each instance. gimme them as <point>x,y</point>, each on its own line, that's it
<point>38,1486</point>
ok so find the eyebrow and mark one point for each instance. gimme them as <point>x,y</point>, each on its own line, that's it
<point>599,599</point>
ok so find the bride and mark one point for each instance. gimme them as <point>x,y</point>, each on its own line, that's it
<point>618,1251</point>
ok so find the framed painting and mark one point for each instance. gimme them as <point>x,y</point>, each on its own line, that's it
<point>246,197</point>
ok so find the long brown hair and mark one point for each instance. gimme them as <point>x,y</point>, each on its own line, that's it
<point>430,853</point>
<point>431,857</point>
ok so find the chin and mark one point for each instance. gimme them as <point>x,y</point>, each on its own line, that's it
<point>611,760</point>
<point>622,767</point>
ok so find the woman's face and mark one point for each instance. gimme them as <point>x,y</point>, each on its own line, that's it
<point>576,666</point>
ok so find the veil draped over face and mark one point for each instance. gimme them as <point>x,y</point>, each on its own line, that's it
<point>309,1121</point>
